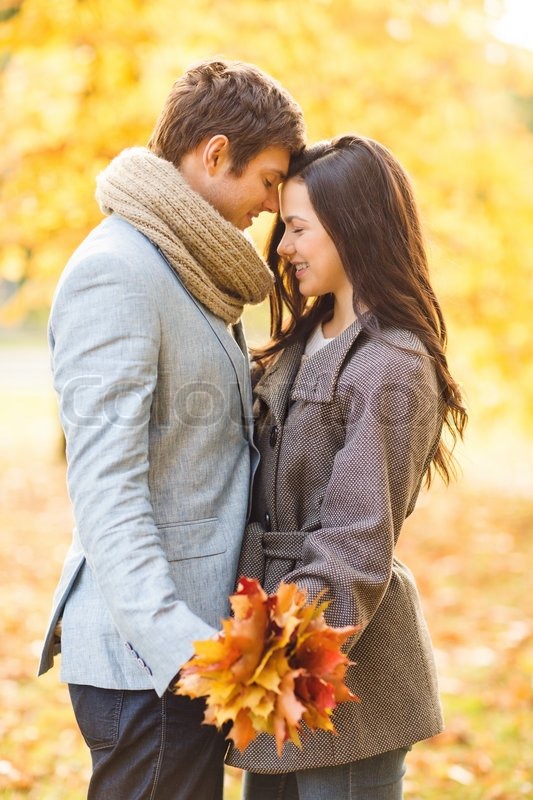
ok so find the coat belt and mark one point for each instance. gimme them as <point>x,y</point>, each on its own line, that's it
<point>286,546</point>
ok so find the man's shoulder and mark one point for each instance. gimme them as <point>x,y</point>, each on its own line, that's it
<point>116,253</point>
<point>115,239</point>
<point>116,260</point>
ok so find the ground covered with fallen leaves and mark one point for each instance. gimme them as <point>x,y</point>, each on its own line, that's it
<point>470,546</point>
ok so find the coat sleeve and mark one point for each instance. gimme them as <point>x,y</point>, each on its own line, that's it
<point>105,339</point>
<point>392,430</point>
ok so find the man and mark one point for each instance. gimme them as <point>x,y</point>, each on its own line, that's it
<point>151,371</point>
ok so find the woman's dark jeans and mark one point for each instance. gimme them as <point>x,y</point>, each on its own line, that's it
<point>376,778</point>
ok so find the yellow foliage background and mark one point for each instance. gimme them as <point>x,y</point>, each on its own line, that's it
<point>82,79</point>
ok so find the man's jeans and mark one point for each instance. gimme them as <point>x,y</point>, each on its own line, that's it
<point>376,778</point>
<point>146,747</point>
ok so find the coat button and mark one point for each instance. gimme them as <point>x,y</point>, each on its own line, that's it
<point>268,525</point>
<point>274,435</point>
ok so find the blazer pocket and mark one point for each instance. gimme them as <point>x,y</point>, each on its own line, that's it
<point>193,539</point>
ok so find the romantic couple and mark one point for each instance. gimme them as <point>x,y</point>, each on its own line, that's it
<point>350,398</point>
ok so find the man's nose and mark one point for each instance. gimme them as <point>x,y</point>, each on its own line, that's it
<point>272,201</point>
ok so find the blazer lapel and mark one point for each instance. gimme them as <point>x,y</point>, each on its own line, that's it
<point>238,354</point>
<point>235,349</point>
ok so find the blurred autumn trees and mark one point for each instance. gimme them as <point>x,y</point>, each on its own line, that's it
<point>82,79</point>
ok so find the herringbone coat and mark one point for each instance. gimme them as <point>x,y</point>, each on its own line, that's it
<point>345,442</point>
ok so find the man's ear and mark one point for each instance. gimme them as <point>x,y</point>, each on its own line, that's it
<point>216,154</point>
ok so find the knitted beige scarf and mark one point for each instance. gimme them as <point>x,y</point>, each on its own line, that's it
<point>213,259</point>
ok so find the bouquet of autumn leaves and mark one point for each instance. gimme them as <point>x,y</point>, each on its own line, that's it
<point>275,664</point>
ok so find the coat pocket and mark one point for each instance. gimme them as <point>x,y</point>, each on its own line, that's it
<point>192,539</point>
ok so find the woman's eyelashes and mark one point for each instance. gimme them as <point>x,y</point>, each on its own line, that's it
<point>289,228</point>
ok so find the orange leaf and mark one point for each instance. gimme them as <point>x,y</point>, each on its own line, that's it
<point>243,732</point>
<point>275,663</point>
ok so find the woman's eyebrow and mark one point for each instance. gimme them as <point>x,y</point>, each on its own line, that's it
<point>292,217</point>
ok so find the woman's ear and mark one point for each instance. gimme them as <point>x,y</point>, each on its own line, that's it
<point>216,155</point>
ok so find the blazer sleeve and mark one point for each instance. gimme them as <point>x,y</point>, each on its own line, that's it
<point>392,430</point>
<point>105,339</point>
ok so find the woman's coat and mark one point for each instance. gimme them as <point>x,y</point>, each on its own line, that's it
<point>345,442</point>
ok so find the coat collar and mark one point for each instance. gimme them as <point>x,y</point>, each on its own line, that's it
<point>319,374</point>
<point>274,387</point>
<point>317,378</point>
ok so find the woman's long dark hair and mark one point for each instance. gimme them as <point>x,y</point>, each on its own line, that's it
<point>364,199</point>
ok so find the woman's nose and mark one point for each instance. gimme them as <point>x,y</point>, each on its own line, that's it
<point>285,247</point>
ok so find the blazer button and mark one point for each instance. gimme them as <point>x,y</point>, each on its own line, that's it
<point>268,525</point>
<point>274,431</point>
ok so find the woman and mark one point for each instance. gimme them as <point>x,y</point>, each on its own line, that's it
<point>350,407</point>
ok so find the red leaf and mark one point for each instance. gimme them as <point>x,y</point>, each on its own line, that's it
<point>275,663</point>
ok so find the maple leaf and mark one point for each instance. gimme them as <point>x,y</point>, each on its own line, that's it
<point>289,712</point>
<point>243,731</point>
<point>317,691</point>
<point>275,664</point>
<point>319,651</point>
<point>248,627</point>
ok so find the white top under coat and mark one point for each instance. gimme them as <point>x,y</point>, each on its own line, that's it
<point>315,342</point>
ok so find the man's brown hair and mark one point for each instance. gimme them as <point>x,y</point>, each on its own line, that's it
<point>232,98</point>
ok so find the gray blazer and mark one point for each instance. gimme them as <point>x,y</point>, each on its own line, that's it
<point>156,406</point>
<point>344,444</point>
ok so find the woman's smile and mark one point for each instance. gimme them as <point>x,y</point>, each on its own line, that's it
<point>300,268</point>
